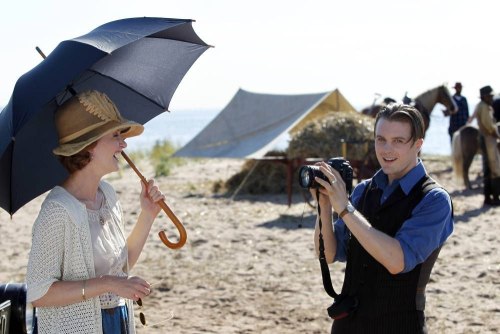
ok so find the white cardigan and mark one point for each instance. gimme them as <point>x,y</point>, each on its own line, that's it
<point>62,250</point>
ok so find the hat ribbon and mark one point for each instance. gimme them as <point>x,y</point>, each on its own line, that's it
<point>81,132</point>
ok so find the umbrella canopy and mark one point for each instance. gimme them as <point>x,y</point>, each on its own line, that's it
<point>137,62</point>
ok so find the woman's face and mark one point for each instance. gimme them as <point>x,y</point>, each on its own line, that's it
<point>105,153</point>
<point>395,149</point>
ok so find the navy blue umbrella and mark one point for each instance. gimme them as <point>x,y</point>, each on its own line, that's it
<point>137,62</point>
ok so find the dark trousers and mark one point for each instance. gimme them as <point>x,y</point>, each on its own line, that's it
<point>488,186</point>
<point>411,322</point>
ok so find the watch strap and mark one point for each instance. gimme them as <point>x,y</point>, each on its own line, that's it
<point>345,211</point>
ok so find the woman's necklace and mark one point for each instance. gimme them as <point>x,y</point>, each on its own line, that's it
<point>99,207</point>
<point>104,214</point>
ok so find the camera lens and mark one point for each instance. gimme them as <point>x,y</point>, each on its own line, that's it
<point>307,174</point>
<point>305,177</point>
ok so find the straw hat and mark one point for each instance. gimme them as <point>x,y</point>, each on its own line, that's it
<point>87,117</point>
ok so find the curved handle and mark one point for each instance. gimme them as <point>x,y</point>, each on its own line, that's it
<point>177,223</point>
<point>166,209</point>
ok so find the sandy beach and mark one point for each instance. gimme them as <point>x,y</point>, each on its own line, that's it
<point>249,267</point>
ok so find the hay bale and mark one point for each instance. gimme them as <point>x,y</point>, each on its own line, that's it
<point>267,177</point>
<point>323,138</point>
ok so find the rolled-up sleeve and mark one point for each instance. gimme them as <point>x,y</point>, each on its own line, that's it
<point>428,228</point>
<point>47,250</point>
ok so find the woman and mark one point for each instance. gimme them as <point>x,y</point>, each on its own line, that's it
<point>78,267</point>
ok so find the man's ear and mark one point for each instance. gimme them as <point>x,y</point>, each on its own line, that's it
<point>419,143</point>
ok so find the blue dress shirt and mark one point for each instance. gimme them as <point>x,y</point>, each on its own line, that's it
<point>430,224</point>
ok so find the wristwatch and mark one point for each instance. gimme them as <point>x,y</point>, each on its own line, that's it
<point>348,209</point>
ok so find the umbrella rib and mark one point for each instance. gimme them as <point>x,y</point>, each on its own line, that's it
<point>122,84</point>
<point>11,195</point>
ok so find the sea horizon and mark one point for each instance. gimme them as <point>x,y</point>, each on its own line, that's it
<point>179,127</point>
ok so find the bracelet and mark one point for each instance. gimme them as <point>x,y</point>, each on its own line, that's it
<point>83,290</point>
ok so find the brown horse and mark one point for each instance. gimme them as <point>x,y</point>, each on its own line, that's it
<point>424,102</point>
<point>464,146</point>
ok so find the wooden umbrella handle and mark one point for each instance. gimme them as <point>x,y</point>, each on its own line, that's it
<point>166,209</point>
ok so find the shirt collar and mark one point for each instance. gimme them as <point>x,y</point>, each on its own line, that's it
<point>407,182</point>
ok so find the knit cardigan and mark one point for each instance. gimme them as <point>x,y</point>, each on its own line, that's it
<point>61,250</point>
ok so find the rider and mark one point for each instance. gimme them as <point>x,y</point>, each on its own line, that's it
<point>488,141</point>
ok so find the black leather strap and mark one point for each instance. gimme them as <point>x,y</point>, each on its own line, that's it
<point>325,272</point>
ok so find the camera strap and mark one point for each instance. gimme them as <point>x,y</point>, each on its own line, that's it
<point>325,272</point>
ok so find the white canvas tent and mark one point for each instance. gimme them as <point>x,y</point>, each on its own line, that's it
<point>251,123</point>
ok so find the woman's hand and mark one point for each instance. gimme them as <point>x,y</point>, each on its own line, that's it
<point>150,195</point>
<point>128,287</point>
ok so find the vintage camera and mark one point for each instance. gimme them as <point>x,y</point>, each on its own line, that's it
<point>307,174</point>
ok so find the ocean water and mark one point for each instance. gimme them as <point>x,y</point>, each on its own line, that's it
<point>437,140</point>
<point>179,127</point>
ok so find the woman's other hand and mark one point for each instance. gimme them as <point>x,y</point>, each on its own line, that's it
<point>132,287</point>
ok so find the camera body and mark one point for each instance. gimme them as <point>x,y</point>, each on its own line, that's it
<point>307,174</point>
<point>343,307</point>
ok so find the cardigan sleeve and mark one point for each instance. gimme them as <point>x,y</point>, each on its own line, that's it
<point>47,250</point>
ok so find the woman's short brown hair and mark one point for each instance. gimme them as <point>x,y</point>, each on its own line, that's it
<point>78,160</point>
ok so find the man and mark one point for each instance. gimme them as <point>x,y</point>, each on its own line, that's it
<point>496,108</point>
<point>391,235</point>
<point>488,141</point>
<point>461,115</point>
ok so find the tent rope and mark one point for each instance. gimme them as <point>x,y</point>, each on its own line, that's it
<point>245,179</point>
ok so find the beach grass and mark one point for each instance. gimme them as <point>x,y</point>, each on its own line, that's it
<point>159,156</point>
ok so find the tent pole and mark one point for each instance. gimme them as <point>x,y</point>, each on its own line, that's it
<point>289,174</point>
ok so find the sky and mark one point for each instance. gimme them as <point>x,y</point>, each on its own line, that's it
<point>363,48</point>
